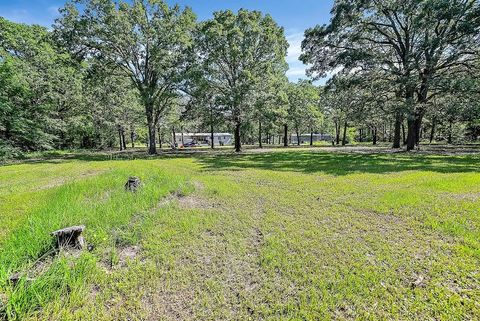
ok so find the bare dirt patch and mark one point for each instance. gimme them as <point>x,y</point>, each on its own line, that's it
<point>469,197</point>
<point>198,186</point>
<point>128,254</point>
<point>95,291</point>
<point>196,202</point>
<point>171,304</point>
<point>119,258</point>
<point>164,201</point>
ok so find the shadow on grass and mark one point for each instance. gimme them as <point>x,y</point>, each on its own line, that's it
<point>342,163</point>
<point>308,160</point>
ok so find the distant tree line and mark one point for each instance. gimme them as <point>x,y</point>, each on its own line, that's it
<point>115,75</point>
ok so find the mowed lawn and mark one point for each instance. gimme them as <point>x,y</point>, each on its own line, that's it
<point>281,235</point>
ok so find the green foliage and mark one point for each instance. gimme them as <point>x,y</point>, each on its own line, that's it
<point>147,42</point>
<point>304,103</point>
<point>415,45</point>
<point>30,82</point>
<point>109,69</point>
<point>239,51</point>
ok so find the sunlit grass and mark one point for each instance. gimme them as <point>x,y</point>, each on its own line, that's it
<point>278,236</point>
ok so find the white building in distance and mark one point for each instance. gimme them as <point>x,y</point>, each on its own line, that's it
<point>219,139</point>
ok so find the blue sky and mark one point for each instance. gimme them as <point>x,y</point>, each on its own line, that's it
<point>294,16</point>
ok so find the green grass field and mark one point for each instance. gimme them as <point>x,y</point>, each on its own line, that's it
<point>280,235</point>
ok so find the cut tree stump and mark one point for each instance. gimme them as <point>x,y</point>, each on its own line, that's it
<point>70,237</point>
<point>132,184</point>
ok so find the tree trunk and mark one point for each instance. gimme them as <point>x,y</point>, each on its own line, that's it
<point>183,142</point>
<point>285,135</point>
<point>344,139</point>
<point>432,131</point>
<point>152,148</point>
<point>120,137</point>
<point>374,135</point>
<point>412,121</point>
<point>124,141</point>
<point>390,132</point>
<point>212,136</point>
<point>360,133</point>
<point>174,135</point>
<point>260,134</point>
<point>450,129</point>
<point>418,129</point>
<point>8,130</point>
<point>298,136</point>
<point>238,144</point>
<point>132,137</point>
<point>396,133</point>
<point>422,99</point>
<point>159,137</point>
<point>411,134</point>
<point>311,138</point>
<point>337,132</point>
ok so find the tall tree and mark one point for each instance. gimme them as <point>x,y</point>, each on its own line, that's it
<point>113,109</point>
<point>40,88</point>
<point>203,104</point>
<point>345,102</point>
<point>239,50</point>
<point>303,111</point>
<point>146,41</point>
<point>270,102</point>
<point>416,43</point>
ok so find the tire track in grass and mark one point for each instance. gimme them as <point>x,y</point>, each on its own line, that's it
<point>222,261</point>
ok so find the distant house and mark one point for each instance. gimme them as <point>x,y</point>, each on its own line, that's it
<point>219,139</point>
<point>305,138</point>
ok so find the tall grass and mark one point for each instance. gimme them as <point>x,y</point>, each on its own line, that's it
<point>103,206</point>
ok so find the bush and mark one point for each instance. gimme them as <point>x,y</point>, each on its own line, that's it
<point>7,151</point>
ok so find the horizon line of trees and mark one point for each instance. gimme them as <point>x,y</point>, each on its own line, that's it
<point>112,74</point>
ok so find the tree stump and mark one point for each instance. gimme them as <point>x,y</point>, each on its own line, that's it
<point>132,184</point>
<point>70,237</point>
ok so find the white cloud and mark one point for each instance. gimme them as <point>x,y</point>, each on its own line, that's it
<point>296,72</point>
<point>297,68</point>
<point>295,49</point>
